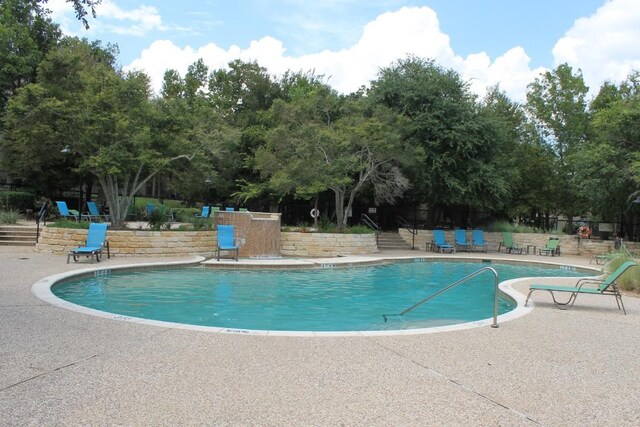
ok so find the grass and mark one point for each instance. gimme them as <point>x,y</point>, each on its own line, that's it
<point>9,217</point>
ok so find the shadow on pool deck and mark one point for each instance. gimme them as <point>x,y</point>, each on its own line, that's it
<point>550,367</point>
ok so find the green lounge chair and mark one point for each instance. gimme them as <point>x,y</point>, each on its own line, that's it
<point>507,242</point>
<point>96,240</point>
<point>552,248</point>
<point>606,286</point>
<point>226,241</point>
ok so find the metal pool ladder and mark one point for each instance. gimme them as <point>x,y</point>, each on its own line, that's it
<point>454,284</point>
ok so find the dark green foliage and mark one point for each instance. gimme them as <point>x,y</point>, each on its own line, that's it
<point>16,200</point>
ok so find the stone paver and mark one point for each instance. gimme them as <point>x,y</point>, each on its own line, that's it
<point>550,367</point>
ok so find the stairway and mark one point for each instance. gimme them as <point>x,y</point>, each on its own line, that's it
<point>388,240</point>
<point>18,235</point>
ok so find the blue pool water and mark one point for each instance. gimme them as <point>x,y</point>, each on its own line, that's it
<point>342,299</point>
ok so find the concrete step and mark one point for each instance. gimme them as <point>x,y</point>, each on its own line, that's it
<point>18,235</point>
<point>391,240</point>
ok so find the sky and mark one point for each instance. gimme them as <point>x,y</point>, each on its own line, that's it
<point>488,42</point>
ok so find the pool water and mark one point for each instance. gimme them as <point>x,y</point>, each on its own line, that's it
<point>329,299</point>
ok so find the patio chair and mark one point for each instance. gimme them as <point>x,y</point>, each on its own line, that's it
<point>477,240</point>
<point>96,240</point>
<point>149,209</point>
<point>552,248</point>
<point>509,245</point>
<point>205,213</point>
<point>460,239</point>
<point>67,213</point>
<point>606,286</point>
<point>94,213</point>
<point>226,241</point>
<point>440,244</point>
<point>229,209</point>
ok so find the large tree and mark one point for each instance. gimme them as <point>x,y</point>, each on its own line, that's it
<point>556,102</point>
<point>320,141</point>
<point>457,140</point>
<point>105,118</point>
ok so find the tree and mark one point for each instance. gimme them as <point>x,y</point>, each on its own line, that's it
<point>456,139</point>
<point>321,142</point>
<point>556,102</point>
<point>608,164</point>
<point>104,117</point>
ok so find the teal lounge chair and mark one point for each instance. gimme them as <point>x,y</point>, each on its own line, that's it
<point>229,209</point>
<point>440,244</point>
<point>606,286</point>
<point>552,248</point>
<point>226,241</point>
<point>66,213</point>
<point>460,239</point>
<point>477,240</point>
<point>205,213</point>
<point>507,243</point>
<point>94,213</point>
<point>96,240</point>
<point>149,209</point>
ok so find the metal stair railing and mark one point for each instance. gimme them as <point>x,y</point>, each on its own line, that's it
<point>411,228</point>
<point>371,224</point>
<point>454,284</point>
<point>42,216</point>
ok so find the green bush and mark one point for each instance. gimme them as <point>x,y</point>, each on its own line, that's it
<point>499,226</point>
<point>16,200</point>
<point>9,217</point>
<point>630,280</point>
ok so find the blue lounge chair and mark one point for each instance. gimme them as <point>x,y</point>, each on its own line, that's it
<point>461,242</point>
<point>66,213</point>
<point>96,240</point>
<point>94,213</point>
<point>150,208</point>
<point>226,241</point>
<point>606,286</point>
<point>205,213</point>
<point>440,244</point>
<point>229,209</point>
<point>477,240</point>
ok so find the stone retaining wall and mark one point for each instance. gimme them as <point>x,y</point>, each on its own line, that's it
<point>326,244</point>
<point>569,245</point>
<point>132,242</point>
<point>176,243</point>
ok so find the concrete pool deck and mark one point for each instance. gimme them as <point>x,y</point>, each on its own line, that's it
<point>549,367</point>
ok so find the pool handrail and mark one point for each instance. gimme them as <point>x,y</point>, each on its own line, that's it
<point>454,284</point>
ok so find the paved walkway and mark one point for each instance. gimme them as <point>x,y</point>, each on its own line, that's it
<point>551,367</point>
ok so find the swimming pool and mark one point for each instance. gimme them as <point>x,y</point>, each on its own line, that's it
<point>325,300</point>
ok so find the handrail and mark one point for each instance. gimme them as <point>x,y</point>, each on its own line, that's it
<point>411,228</point>
<point>456,283</point>
<point>371,224</point>
<point>42,216</point>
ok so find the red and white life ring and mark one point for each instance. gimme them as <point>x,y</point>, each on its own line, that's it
<point>584,232</point>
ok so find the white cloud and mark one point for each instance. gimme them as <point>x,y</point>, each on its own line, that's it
<point>391,36</point>
<point>605,45</point>
<point>133,22</point>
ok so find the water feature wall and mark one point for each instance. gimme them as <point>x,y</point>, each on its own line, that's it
<point>257,233</point>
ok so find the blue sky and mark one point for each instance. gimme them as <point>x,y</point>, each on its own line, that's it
<point>488,41</point>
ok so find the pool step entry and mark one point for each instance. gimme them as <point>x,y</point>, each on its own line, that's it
<point>18,235</point>
<point>391,240</point>
<point>453,285</point>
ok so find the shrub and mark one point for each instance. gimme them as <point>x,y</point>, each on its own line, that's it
<point>499,226</point>
<point>9,217</point>
<point>16,200</point>
<point>65,223</point>
<point>630,280</point>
